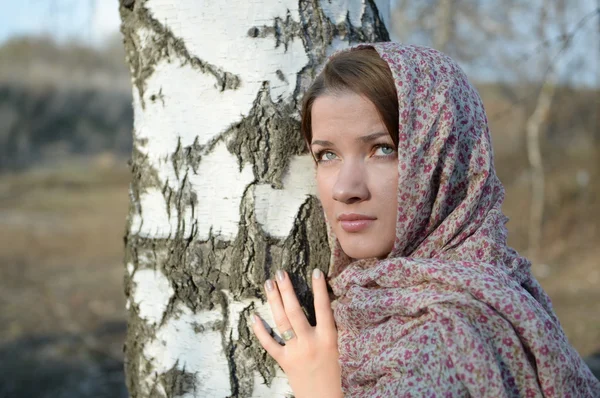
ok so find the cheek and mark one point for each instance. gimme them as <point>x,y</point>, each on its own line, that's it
<point>390,205</point>
<point>325,183</point>
<point>385,187</point>
<point>321,186</point>
<point>389,210</point>
<point>385,195</point>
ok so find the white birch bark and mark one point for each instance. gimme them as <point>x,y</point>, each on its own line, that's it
<point>222,192</point>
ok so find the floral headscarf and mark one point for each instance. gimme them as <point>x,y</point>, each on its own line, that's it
<point>452,311</point>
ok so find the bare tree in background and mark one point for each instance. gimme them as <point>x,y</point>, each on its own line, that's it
<point>463,29</point>
<point>537,121</point>
<point>220,196</point>
<point>534,126</point>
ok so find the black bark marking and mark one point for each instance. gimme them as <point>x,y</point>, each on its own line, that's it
<point>178,382</point>
<point>283,30</point>
<point>128,4</point>
<point>267,138</point>
<point>253,32</point>
<point>280,75</point>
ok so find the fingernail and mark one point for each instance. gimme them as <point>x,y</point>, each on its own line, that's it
<point>269,285</point>
<point>253,318</point>
<point>280,275</point>
<point>317,273</point>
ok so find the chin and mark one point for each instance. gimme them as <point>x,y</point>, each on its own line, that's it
<point>360,248</point>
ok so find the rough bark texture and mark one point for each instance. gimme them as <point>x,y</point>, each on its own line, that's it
<point>191,286</point>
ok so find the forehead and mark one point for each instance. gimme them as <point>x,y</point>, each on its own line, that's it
<point>344,114</point>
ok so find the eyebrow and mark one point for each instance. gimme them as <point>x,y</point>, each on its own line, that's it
<point>364,139</point>
<point>322,143</point>
<point>371,137</point>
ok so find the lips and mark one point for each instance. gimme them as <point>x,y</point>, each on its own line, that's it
<point>355,222</point>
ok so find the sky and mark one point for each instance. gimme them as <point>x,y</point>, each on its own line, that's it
<point>86,20</point>
<point>92,21</point>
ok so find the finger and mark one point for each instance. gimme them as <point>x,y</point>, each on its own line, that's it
<point>323,310</point>
<point>264,337</point>
<point>279,316</point>
<point>294,312</point>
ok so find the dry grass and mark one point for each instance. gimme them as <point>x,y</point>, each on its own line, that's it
<point>569,265</point>
<point>61,295</point>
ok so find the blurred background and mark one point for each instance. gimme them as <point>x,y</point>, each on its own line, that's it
<point>65,138</point>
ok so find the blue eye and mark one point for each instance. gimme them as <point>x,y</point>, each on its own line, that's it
<point>386,150</point>
<point>325,156</point>
<point>329,155</point>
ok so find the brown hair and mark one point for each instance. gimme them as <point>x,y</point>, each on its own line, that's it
<point>361,71</point>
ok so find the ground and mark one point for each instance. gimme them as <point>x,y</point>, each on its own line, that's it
<point>62,308</point>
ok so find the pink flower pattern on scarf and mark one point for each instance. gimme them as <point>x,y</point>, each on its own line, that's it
<point>452,311</point>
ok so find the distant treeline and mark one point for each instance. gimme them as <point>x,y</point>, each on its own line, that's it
<point>38,123</point>
<point>41,61</point>
<point>62,99</point>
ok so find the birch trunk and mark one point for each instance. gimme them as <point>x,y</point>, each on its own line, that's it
<point>222,193</point>
<point>534,133</point>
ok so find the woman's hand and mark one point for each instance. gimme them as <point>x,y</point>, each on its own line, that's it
<point>310,356</point>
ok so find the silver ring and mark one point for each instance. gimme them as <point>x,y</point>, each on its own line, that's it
<point>288,335</point>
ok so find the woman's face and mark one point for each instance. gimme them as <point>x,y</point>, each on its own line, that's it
<point>357,173</point>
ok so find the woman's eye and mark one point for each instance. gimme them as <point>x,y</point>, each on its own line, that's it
<point>384,150</point>
<point>327,155</point>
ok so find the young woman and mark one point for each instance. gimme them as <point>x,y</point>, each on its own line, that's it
<point>430,301</point>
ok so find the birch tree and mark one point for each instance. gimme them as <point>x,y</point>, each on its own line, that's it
<point>222,188</point>
<point>535,124</point>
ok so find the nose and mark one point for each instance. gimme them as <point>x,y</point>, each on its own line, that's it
<point>351,184</point>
